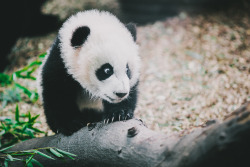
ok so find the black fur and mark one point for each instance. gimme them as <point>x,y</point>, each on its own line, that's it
<point>79,36</point>
<point>59,98</point>
<point>132,29</point>
<point>128,72</point>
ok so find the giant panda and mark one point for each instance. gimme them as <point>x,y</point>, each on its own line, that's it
<point>90,73</point>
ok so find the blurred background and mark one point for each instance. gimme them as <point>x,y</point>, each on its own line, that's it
<point>195,53</point>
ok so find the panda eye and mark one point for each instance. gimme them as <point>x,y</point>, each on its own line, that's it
<point>104,72</point>
<point>128,72</point>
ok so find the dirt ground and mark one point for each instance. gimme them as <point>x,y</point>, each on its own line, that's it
<point>194,68</point>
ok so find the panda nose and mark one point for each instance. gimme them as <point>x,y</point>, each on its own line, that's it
<point>121,94</point>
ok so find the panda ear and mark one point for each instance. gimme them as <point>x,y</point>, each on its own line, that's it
<point>79,36</point>
<point>132,29</point>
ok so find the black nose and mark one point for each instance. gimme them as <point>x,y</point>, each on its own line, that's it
<point>121,94</point>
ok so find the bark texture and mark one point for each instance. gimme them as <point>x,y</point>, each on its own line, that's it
<point>132,144</point>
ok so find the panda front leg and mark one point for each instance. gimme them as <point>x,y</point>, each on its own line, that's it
<point>65,119</point>
<point>121,111</point>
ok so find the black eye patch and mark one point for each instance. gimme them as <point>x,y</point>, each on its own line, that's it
<point>104,72</point>
<point>128,72</point>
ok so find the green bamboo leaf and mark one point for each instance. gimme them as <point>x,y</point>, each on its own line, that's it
<point>17,74</point>
<point>5,79</point>
<point>9,121</point>
<point>6,148</point>
<point>29,133</point>
<point>22,154</point>
<point>36,130</point>
<point>29,116</point>
<point>17,114</point>
<point>34,96</point>
<point>34,161</point>
<point>26,77</point>
<point>26,68</point>
<point>4,127</point>
<point>42,55</point>
<point>9,157</point>
<point>34,118</point>
<point>24,128</point>
<point>28,160</point>
<point>27,71</point>
<point>28,151</point>
<point>44,155</point>
<point>34,63</point>
<point>6,163</point>
<point>56,153</point>
<point>25,90</point>
<point>65,152</point>
<point>32,70</point>
<point>17,159</point>
<point>32,78</point>
<point>29,164</point>
<point>70,157</point>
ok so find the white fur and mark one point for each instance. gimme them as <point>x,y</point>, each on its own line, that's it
<point>83,101</point>
<point>109,42</point>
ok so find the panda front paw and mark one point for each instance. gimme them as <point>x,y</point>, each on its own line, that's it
<point>121,115</point>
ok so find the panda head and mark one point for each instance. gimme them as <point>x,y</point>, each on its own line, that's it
<point>101,54</point>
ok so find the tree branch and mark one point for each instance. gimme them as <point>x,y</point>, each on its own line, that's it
<point>130,144</point>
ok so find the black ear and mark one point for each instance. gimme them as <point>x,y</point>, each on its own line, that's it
<point>79,36</point>
<point>132,29</point>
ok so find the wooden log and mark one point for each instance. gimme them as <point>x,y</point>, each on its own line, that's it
<point>131,143</point>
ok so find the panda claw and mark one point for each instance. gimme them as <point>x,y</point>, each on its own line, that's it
<point>112,119</point>
<point>127,116</point>
<point>119,117</point>
<point>107,121</point>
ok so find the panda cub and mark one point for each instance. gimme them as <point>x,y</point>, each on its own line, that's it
<point>90,73</point>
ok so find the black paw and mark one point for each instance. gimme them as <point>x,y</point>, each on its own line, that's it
<point>117,116</point>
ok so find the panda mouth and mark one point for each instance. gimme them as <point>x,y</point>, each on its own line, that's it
<point>113,100</point>
<point>110,98</point>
